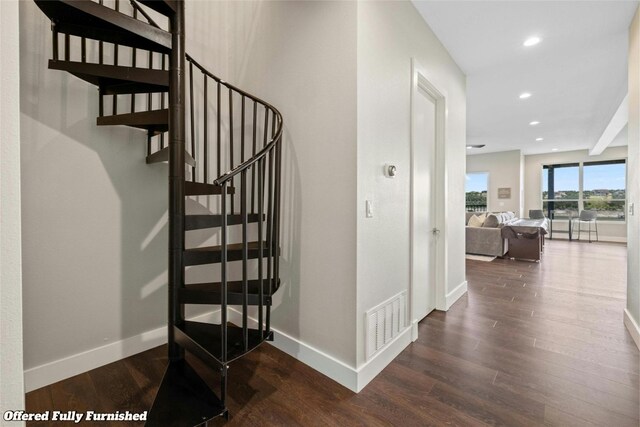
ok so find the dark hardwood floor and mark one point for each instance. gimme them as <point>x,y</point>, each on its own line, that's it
<point>530,344</point>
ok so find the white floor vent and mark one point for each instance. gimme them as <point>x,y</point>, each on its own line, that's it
<point>384,322</point>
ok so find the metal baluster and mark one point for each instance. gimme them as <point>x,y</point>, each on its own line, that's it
<point>223,296</point>
<point>276,261</point>
<point>54,41</point>
<point>206,132</point>
<point>266,126</point>
<point>219,136</point>
<point>115,62</point>
<point>193,126</point>
<point>260,244</point>
<point>231,144</point>
<point>245,257</point>
<point>133,64</point>
<point>269,239</point>
<point>149,106</point>
<point>162,103</point>
<point>242,131</point>
<point>67,50</point>
<point>253,171</point>
<point>83,49</point>
<point>101,101</point>
<point>100,47</point>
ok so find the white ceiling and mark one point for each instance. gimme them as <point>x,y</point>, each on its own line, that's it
<point>577,75</point>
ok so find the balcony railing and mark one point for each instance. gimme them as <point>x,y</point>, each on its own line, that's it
<point>476,207</point>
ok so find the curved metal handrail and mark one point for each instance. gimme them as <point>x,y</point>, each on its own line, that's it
<point>268,146</point>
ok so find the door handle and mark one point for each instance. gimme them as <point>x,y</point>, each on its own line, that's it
<point>436,231</point>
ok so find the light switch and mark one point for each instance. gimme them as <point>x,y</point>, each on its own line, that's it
<point>631,209</point>
<point>369,209</point>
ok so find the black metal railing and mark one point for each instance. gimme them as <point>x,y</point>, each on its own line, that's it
<point>235,140</point>
<point>115,54</point>
<point>247,153</point>
<point>475,207</point>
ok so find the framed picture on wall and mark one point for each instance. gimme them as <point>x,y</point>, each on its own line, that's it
<point>504,193</point>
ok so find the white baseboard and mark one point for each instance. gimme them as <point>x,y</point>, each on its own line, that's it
<point>632,327</point>
<point>349,377</point>
<point>345,375</point>
<point>455,294</point>
<point>333,368</point>
<point>61,369</point>
<point>377,363</point>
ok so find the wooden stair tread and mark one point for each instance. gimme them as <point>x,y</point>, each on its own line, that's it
<point>198,222</point>
<point>204,341</point>
<point>202,189</point>
<point>213,254</point>
<point>95,21</point>
<point>210,293</point>
<point>115,79</point>
<point>165,7</point>
<point>163,156</point>
<point>153,120</point>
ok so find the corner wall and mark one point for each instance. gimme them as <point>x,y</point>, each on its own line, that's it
<point>505,170</point>
<point>390,34</point>
<point>301,57</point>
<point>632,313</point>
<point>11,381</point>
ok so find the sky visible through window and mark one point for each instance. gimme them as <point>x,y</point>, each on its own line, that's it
<point>476,182</point>
<point>599,177</point>
<point>596,177</point>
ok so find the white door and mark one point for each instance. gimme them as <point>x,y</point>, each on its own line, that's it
<point>424,237</point>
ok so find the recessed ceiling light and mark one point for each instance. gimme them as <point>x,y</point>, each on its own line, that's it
<point>539,139</point>
<point>469,147</point>
<point>525,95</point>
<point>535,122</point>
<point>532,41</point>
<point>554,149</point>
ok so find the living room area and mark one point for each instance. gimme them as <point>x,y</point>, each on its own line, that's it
<point>571,196</point>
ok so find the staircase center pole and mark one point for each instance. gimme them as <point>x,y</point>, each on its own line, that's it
<point>176,175</point>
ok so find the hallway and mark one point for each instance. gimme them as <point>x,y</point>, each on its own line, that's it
<point>538,342</point>
<point>531,344</point>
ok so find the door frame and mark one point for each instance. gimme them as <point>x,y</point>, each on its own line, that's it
<point>420,79</point>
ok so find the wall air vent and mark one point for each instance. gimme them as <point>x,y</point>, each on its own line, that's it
<point>384,322</point>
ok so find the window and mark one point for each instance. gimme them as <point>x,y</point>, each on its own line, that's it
<point>602,188</point>
<point>476,187</point>
<point>561,189</point>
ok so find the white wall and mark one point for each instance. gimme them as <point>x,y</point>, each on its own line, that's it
<point>11,379</point>
<point>612,231</point>
<point>389,35</point>
<point>301,57</point>
<point>504,170</point>
<point>633,181</point>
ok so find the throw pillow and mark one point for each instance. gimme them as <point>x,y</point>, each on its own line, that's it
<point>492,221</point>
<point>475,221</point>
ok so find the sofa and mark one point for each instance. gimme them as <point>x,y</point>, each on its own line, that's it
<point>487,239</point>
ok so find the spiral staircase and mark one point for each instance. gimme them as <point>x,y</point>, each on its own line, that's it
<point>228,159</point>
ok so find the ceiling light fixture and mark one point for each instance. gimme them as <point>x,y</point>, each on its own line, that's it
<point>554,149</point>
<point>532,41</point>
<point>525,95</point>
<point>539,139</point>
<point>535,122</point>
<point>470,146</point>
